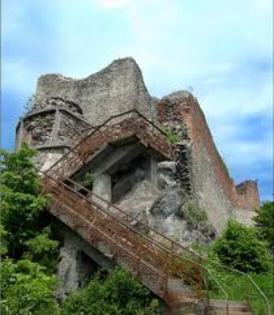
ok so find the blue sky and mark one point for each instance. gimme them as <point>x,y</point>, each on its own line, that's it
<point>222,50</point>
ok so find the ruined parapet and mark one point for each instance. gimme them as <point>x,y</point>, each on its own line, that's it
<point>211,184</point>
<point>51,126</point>
<point>114,101</point>
<point>170,119</point>
<point>114,90</point>
<point>248,195</point>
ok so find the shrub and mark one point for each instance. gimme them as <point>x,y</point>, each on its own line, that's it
<point>26,289</point>
<point>265,223</point>
<point>239,247</point>
<point>118,294</point>
<point>21,199</point>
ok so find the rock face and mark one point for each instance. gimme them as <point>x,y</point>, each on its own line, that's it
<point>190,198</point>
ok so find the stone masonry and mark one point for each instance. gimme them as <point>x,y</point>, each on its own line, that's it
<point>130,175</point>
<point>65,110</point>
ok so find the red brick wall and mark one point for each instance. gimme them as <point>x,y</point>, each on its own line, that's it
<point>214,187</point>
<point>248,195</point>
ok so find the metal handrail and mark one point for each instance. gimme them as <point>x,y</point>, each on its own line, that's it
<point>248,276</point>
<point>252,281</point>
<point>172,242</point>
<point>157,244</point>
<point>222,289</point>
<point>261,293</point>
<point>96,129</point>
<point>125,223</point>
<point>161,250</point>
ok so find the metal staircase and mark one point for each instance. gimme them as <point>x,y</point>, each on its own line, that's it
<point>174,273</point>
<point>150,257</point>
<point>130,124</point>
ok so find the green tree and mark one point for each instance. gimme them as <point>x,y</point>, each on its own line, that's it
<point>26,289</point>
<point>23,205</point>
<point>26,286</point>
<point>117,294</point>
<point>265,223</point>
<point>239,247</point>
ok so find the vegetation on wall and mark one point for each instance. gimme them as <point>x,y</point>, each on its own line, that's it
<point>88,179</point>
<point>170,134</point>
<point>196,217</point>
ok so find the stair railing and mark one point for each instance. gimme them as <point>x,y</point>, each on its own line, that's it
<point>183,266</point>
<point>174,246</point>
<point>169,245</point>
<point>176,258</point>
<point>84,139</point>
<point>252,284</point>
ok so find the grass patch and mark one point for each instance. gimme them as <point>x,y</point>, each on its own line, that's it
<point>239,288</point>
<point>172,136</point>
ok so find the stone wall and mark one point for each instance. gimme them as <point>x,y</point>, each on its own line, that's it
<point>116,89</point>
<point>211,184</point>
<point>64,107</point>
<point>52,126</point>
<point>247,195</point>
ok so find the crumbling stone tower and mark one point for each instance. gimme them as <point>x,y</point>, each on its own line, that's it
<point>133,179</point>
<point>64,108</point>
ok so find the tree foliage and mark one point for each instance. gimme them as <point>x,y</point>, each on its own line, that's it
<point>26,286</point>
<point>22,202</point>
<point>117,294</point>
<point>265,223</point>
<point>239,247</point>
<point>29,255</point>
<point>26,289</point>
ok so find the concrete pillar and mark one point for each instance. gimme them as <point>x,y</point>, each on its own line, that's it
<point>67,269</point>
<point>102,187</point>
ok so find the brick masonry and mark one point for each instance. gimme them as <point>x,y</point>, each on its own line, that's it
<point>212,185</point>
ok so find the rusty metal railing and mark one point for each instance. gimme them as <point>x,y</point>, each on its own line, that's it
<point>147,258</point>
<point>125,125</point>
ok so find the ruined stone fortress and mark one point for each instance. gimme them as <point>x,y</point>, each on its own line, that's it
<point>132,178</point>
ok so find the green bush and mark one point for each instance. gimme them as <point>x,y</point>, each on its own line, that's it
<point>117,294</point>
<point>265,223</point>
<point>26,289</point>
<point>29,255</point>
<point>43,250</point>
<point>22,202</point>
<point>239,247</point>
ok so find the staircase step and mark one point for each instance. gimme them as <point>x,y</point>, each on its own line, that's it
<point>231,312</point>
<point>230,302</point>
<point>230,306</point>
